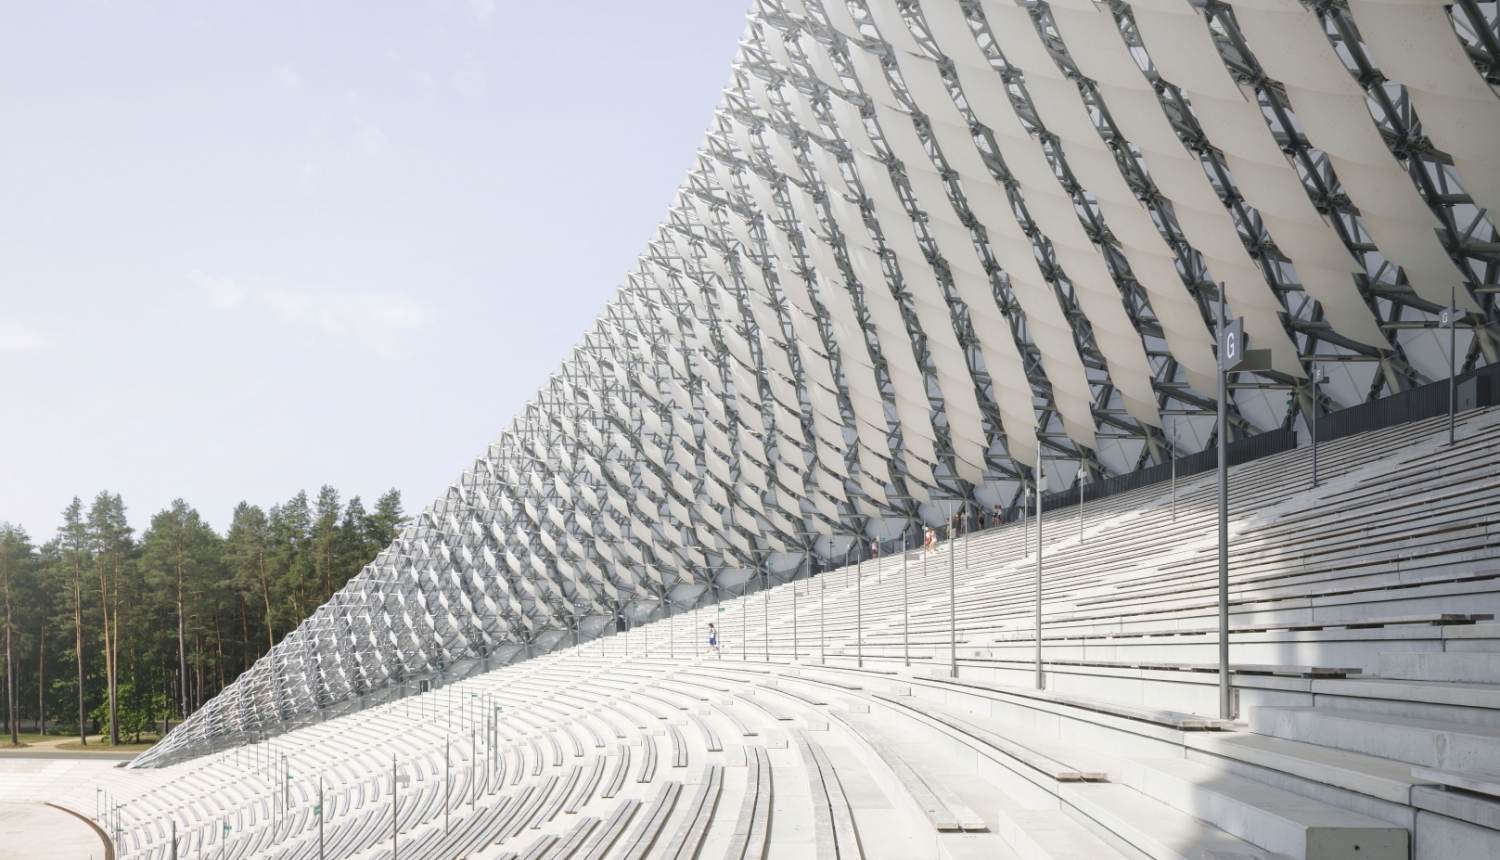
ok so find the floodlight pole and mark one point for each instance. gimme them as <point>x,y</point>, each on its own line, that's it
<point>1316,375</point>
<point>394,812</point>
<point>1452,359</point>
<point>1040,682</point>
<point>859,617</point>
<point>952,596</point>
<point>447,783</point>
<point>905,615</point>
<point>1225,696</point>
<point>822,620</point>
<point>321,816</point>
<point>765,611</point>
<point>796,649</point>
<point>1173,453</point>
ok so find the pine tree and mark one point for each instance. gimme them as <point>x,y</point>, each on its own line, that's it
<point>291,527</point>
<point>73,541</point>
<point>245,555</point>
<point>110,536</point>
<point>324,543</point>
<point>386,523</point>
<point>180,552</point>
<point>17,564</point>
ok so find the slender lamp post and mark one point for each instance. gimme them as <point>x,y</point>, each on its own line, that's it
<point>1040,683</point>
<point>1448,319</point>
<point>1225,696</point>
<point>765,611</point>
<point>796,648</point>
<point>1317,377</point>
<point>952,597</point>
<point>1174,471</point>
<point>859,618</point>
<point>1083,471</point>
<point>905,613</point>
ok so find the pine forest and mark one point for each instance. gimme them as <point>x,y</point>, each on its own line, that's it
<point>119,635</point>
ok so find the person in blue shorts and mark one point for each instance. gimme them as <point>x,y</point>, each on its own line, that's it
<point>713,639</point>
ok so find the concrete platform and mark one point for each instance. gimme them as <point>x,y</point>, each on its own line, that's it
<point>1267,816</point>
<point>1473,667</point>
<point>36,831</point>
<point>1429,743</point>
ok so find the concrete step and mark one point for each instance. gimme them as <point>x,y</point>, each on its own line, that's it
<point>1365,774</point>
<point>1036,834</point>
<point>1273,818</point>
<point>1472,667</point>
<point>1136,824</point>
<point>1464,698</point>
<point>1431,743</point>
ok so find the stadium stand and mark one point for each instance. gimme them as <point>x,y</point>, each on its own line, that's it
<point>1365,672</point>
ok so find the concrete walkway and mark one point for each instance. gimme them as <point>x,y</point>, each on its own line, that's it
<point>35,831</point>
<point>47,776</point>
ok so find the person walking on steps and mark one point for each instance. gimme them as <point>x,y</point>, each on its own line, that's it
<point>713,639</point>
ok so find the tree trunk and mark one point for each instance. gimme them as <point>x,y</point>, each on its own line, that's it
<point>114,665</point>
<point>181,647</point>
<point>109,663</point>
<point>114,676</point>
<point>10,675</point>
<point>41,679</point>
<point>198,673</point>
<point>265,593</point>
<point>219,645</point>
<point>245,624</point>
<point>83,732</point>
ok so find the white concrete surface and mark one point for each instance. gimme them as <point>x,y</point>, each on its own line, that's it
<point>42,779</point>
<point>35,831</point>
<point>1470,667</point>
<point>1422,742</point>
<point>1263,815</point>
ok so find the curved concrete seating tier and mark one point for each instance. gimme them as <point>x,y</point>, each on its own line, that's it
<point>839,719</point>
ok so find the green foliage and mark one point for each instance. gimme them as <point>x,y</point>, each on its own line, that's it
<point>166,620</point>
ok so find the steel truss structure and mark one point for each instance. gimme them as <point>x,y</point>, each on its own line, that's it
<point>921,244</point>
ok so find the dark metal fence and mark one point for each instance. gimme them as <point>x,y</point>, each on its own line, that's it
<point>1243,451</point>
<point>1414,404</point>
<point>1475,389</point>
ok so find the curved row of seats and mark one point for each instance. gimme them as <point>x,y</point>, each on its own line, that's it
<point>802,735</point>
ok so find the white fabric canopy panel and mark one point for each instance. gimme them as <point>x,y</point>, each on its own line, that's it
<point>879,292</point>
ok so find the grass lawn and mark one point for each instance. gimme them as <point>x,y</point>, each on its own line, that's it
<point>97,743</point>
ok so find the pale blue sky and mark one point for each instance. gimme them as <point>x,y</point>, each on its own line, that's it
<point>248,248</point>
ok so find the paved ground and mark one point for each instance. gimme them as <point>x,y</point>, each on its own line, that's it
<point>35,831</point>
<point>97,746</point>
<point>48,776</point>
<point>44,753</point>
